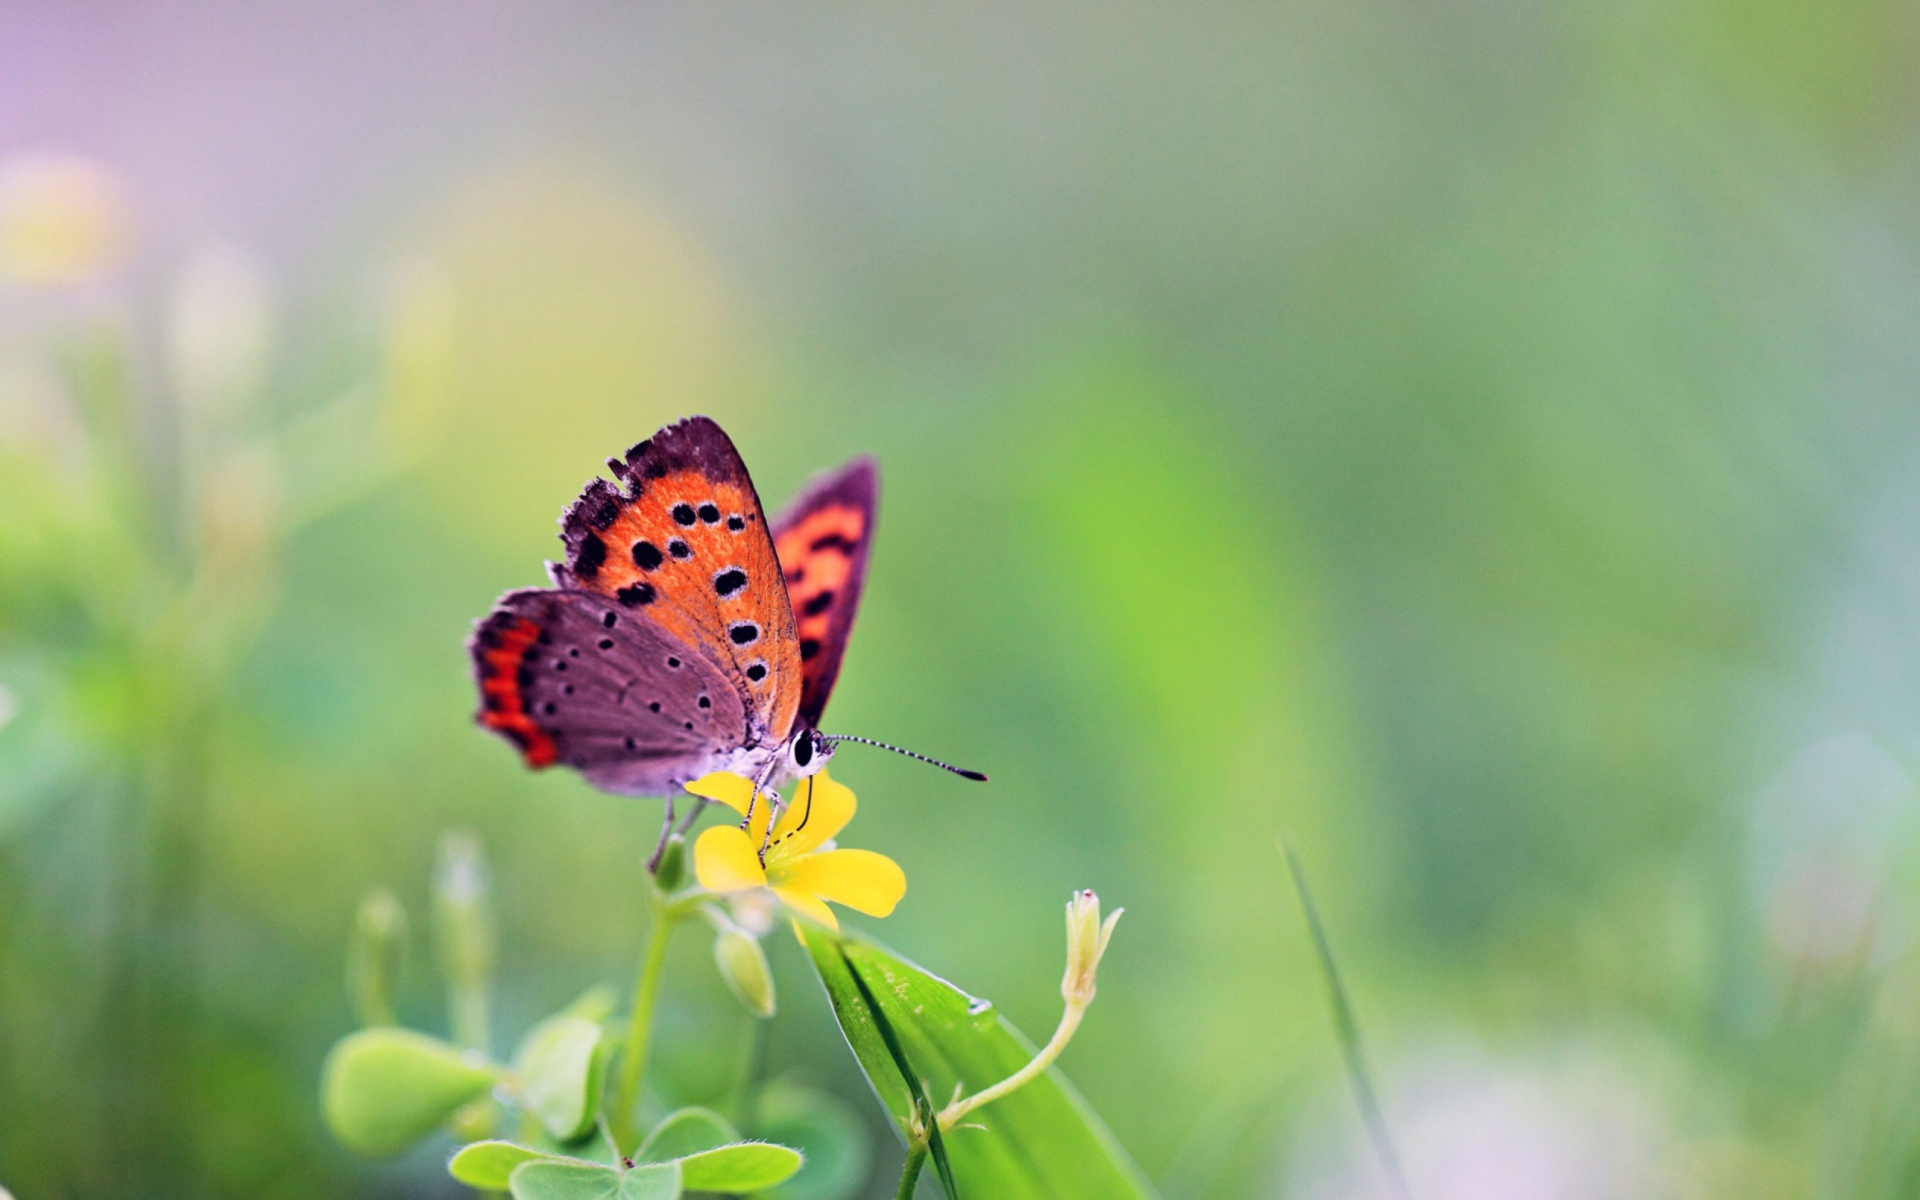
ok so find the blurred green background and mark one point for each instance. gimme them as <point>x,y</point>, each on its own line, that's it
<point>1479,438</point>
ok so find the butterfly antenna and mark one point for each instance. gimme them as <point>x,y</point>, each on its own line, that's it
<point>962,772</point>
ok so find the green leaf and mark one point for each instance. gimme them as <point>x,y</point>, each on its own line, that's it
<point>383,1089</point>
<point>594,1004</point>
<point>487,1165</point>
<point>549,1180</point>
<point>1041,1143</point>
<point>835,1143</point>
<point>559,1069</point>
<point>593,1148</point>
<point>742,1167</point>
<point>908,1074</point>
<point>686,1131</point>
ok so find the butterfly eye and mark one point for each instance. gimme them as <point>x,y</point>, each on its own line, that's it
<point>802,748</point>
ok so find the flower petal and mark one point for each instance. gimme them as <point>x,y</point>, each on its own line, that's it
<point>860,879</point>
<point>807,907</point>
<point>726,787</point>
<point>725,859</point>
<point>819,809</point>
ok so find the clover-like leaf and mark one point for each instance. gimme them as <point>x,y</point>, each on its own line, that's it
<point>551,1180</point>
<point>487,1165</point>
<point>834,1142</point>
<point>559,1069</point>
<point>686,1131</point>
<point>741,1167</point>
<point>383,1089</point>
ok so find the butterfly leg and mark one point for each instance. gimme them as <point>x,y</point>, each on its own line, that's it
<point>699,806</point>
<point>753,797</point>
<point>666,828</point>
<point>779,810</point>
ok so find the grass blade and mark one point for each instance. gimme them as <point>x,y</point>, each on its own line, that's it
<point>922,1106</point>
<point>1348,1029</point>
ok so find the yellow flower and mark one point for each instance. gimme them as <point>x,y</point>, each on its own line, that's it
<point>803,867</point>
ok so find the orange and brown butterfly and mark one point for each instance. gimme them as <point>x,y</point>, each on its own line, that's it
<point>682,635</point>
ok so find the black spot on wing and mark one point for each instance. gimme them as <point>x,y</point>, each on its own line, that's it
<point>743,633</point>
<point>679,549</point>
<point>587,559</point>
<point>834,541</point>
<point>736,522</point>
<point>635,595</point>
<point>646,555</point>
<point>818,604</point>
<point>729,581</point>
<point>756,671</point>
<point>683,514</point>
<point>709,514</point>
<point>808,648</point>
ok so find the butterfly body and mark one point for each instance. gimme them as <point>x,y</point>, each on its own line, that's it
<point>668,646</point>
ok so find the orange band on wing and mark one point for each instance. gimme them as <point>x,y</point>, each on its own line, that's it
<point>503,707</point>
<point>817,554</point>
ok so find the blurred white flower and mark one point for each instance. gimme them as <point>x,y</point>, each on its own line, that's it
<point>219,333</point>
<point>1471,1130</point>
<point>64,218</point>
<point>754,911</point>
<point>1828,857</point>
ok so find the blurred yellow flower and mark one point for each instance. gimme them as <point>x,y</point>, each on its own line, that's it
<point>803,868</point>
<point>64,218</point>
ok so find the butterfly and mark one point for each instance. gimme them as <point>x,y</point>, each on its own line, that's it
<point>685,633</point>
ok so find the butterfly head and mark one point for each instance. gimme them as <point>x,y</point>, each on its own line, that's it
<point>807,752</point>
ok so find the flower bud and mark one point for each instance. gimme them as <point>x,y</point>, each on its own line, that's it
<point>1086,941</point>
<point>744,966</point>
<point>754,911</point>
<point>671,871</point>
<point>464,931</point>
<point>374,956</point>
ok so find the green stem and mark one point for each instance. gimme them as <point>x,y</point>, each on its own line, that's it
<point>910,1173</point>
<point>1069,1022</point>
<point>646,991</point>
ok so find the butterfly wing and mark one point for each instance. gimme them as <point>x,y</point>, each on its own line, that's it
<point>686,545</point>
<point>572,677</point>
<point>822,540</point>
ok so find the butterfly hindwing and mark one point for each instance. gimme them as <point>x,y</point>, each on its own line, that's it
<point>822,540</point>
<point>685,544</point>
<point>572,677</point>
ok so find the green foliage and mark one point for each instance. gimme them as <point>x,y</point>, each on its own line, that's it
<point>743,1167</point>
<point>558,1073</point>
<point>835,1143</point>
<point>688,1131</point>
<point>1041,1142</point>
<point>554,1180</point>
<point>486,1165</point>
<point>383,1089</point>
<point>692,1149</point>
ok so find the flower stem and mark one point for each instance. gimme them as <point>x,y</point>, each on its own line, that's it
<point>910,1173</point>
<point>952,1114</point>
<point>646,991</point>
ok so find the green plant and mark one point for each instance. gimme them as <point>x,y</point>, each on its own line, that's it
<point>561,1118</point>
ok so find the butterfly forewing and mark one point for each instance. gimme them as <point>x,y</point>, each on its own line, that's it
<point>574,678</point>
<point>685,544</point>
<point>822,541</point>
